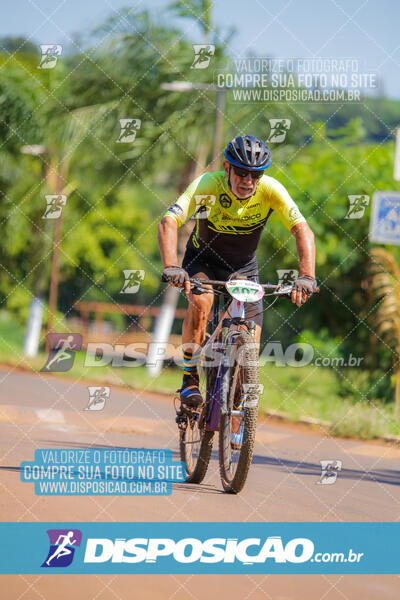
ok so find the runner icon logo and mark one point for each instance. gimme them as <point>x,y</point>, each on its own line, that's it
<point>129,127</point>
<point>62,547</point>
<point>62,351</point>
<point>133,279</point>
<point>287,276</point>
<point>251,393</point>
<point>330,470</point>
<point>202,55</point>
<point>54,205</point>
<point>279,129</point>
<point>97,397</point>
<point>50,55</point>
<point>357,206</point>
<point>204,202</point>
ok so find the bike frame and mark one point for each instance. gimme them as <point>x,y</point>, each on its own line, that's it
<point>218,403</point>
<point>230,407</point>
<point>218,400</point>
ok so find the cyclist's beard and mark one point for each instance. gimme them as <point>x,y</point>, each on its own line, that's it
<point>230,187</point>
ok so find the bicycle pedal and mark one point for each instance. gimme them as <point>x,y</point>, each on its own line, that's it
<point>181,420</point>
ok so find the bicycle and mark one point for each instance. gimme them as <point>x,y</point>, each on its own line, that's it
<point>229,384</point>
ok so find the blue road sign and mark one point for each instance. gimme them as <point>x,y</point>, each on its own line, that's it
<point>384,226</point>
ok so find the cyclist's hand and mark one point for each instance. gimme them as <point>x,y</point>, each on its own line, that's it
<point>303,287</point>
<point>177,277</point>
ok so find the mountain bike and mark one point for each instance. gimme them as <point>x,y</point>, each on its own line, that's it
<point>229,384</point>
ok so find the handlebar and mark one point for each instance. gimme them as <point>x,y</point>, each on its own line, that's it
<point>267,286</point>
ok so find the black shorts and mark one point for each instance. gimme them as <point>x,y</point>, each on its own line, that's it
<point>213,268</point>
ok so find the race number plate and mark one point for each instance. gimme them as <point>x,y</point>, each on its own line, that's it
<point>245,291</point>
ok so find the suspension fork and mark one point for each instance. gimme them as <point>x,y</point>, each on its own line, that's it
<point>224,373</point>
<point>219,395</point>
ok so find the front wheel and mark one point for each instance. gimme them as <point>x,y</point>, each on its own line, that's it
<point>195,441</point>
<point>239,421</point>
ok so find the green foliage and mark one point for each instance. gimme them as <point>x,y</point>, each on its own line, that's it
<point>20,45</point>
<point>11,335</point>
<point>20,94</point>
<point>365,385</point>
<point>200,10</point>
<point>320,178</point>
<point>117,192</point>
<point>321,340</point>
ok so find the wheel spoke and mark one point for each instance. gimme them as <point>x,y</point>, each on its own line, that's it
<point>195,441</point>
<point>237,430</point>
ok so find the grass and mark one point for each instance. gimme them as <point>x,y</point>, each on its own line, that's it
<point>314,392</point>
<point>298,392</point>
<point>11,335</point>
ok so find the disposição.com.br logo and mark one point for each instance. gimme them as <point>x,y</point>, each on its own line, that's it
<point>63,543</point>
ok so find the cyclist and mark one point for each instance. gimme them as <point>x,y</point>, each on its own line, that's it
<point>231,208</point>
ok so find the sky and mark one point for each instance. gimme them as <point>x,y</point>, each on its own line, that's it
<point>362,29</point>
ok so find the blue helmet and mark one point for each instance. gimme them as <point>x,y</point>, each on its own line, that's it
<point>248,152</point>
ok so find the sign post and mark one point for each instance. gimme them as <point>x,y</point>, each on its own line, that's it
<point>396,170</point>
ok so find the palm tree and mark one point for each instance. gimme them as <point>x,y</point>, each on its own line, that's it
<point>38,113</point>
<point>384,288</point>
<point>199,10</point>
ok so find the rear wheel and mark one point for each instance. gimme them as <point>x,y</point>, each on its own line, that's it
<point>238,425</point>
<point>195,441</point>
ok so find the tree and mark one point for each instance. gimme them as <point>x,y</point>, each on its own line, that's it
<point>199,10</point>
<point>384,318</point>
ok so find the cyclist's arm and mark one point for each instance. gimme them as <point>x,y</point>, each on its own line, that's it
<point>176,216</point>
<point>306,251</point>
<point>288,212</point>
<point>305,248</point>
<point>294,221</point>
<point>168,241</point>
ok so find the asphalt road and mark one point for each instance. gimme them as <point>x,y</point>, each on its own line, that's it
<point>48,412</point>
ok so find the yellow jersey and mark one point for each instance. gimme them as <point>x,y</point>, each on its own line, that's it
<point>227,225</point>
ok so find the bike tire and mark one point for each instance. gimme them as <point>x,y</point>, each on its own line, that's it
<point>196,466</point>
<point>234,479</point>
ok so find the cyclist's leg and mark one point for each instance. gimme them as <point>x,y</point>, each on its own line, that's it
<point>194,324</point>
<point>194,329</point>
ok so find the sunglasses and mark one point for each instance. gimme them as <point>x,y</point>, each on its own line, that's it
<point>243,173</point>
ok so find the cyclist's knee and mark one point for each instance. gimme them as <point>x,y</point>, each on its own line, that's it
<point>200,306</point>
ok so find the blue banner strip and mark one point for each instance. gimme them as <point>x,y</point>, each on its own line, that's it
<point>203,548</point>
